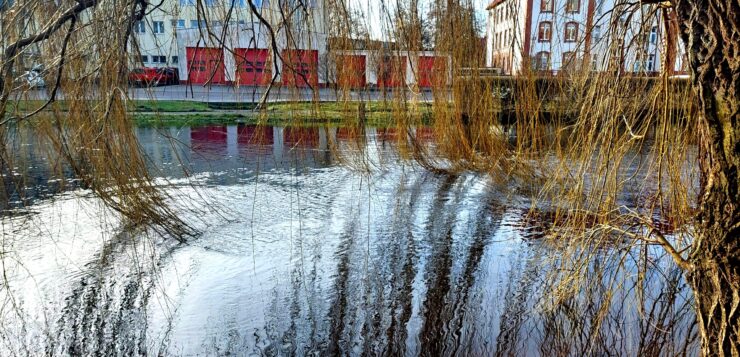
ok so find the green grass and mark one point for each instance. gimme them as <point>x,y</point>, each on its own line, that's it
<point>273,117</point>
<point>182,113</point>
<point>168,106</point>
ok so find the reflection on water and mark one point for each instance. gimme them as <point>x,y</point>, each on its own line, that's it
<point>301,256</point>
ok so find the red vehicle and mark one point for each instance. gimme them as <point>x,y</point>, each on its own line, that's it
<point>148,76</point>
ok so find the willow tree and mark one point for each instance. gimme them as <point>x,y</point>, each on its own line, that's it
<point>87,44</point>
<point>711,32</point>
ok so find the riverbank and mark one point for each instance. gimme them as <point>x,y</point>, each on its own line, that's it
<point>177,112</point>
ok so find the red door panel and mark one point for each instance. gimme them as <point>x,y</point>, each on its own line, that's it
<point>351,71</point>
<point>432,71</point>
<point>252,66</point>
<point>301,67</point>
<point>205,65</point>
<point>392,72</point>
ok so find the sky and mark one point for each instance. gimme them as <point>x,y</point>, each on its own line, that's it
<point>372,9</point>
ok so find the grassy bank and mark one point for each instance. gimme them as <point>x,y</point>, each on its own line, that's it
<point>175,113</point>
<point>376,114</point>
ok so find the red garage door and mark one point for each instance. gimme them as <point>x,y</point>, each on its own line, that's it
<point>301,67</point>
<point>392,72</point>
<point>432,71</point>
<point>205,65</point>
<point>252,66</point>
<point>351,71</point>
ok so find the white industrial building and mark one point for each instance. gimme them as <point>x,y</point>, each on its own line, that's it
<point>224,42</point>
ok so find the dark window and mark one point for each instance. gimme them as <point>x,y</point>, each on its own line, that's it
<point>572,5</point>
<point>569,59</point>
<point>546,5</point>
<point>175,59</point>
<point>144,59</point>
<point>158,26</point>
<point>139,27</point>
<point>545,31</point>
<point>542,61</point>
<point>571,32</point>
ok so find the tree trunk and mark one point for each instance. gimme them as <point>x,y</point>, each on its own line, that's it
<point>711,32</point>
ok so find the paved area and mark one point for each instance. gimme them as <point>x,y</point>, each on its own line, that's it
<point>231,94</point>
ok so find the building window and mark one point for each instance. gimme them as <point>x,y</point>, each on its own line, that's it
<point>654,35</point>
<point>651,63</point>
<point>571,32</point>
<point>637,66</point>
<point>139,27</point>
<point>542,61</point>
<point>545,31</point>
<point>187,2</point>
<point>158,26</point>
<point>159,59</point>
<point>198,24</point>
<point>178,24</point>
<point>210,3</point>
<point>568,60</point>
<point>175,60</point>
<point>546,5</point>
<point>572,5</point>
<point>144,59</point>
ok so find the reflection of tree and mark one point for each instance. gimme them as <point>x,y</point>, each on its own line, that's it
<point>624,309</point>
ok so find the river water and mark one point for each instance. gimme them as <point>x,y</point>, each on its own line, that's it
<point>303,252</point>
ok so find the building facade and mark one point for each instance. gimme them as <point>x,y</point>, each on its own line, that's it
<point>225,42</point>
<point>598,35</point>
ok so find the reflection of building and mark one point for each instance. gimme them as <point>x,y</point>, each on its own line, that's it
<point>602,35</point>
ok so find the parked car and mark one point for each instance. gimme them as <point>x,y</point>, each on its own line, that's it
<point>170,75</point>
<point>148,76</point>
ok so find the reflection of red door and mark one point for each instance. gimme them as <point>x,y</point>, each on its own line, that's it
<point>351,71</point>
<point>303,137</point>
<point>392,72</point>
<point>254,135</point>
<point>205,65</point>
<point>432,71</point>
<point>301,67</point>
<point>208,137</point>
<point>252,66</point>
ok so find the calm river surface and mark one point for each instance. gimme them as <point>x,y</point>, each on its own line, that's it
<point>300,254</point>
